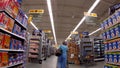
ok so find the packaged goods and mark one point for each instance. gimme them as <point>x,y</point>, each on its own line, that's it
<point>117,14</point>
<point>6,44</point>
<point>110,21</point>
<point>114,19</point>
<point>1,40</point>
<point>10,6</point>
<point>17,29</point>
<point>4,59</point>
<point>4,19</point>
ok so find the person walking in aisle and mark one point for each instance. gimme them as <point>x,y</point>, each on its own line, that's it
<point>62,59</point>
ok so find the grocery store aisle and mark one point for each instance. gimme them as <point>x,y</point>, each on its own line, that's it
<point>51,62</point>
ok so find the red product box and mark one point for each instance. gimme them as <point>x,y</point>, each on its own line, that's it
<point>3,59</point>
<point>1,39</point>
<point>9,6</point>
<point>4,19</point>
<point>6,42</point>
<point>10,25</point>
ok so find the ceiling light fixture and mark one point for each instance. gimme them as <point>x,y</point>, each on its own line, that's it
<point>33,25</point>
<point>83,19</point>
<point>51,19</point>
<point>95,31</point>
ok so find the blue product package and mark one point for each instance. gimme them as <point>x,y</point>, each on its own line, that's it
<point>108,36</point>
<point>117,46</point>
<point>112,33</point>
<point>106,24</point>
<point>102,26</point>
<point>118,16</point>
<point>112,57</point>
<point>115,58</point>
<point>110,21</point>
<point>114,19</point>
<point>119,58</point>
<point>117,31</point>
<point>114,45</point>
<point>105,47</point>
<point>108,44</point>
<point>111,46</point>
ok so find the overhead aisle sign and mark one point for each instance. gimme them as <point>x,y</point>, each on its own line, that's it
<point>40,11</point>
<point>90,14</point>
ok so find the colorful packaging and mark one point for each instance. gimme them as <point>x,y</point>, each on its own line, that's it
<point>117,29</point>
<point>10,25</point>
<point>6,42</point>
<point>20,16</point>
<point>113,33</point>
<point>117,14</point>
<point>25,21</point>
<point>114,19</point>
<point>119,58</point>
<point>119,44</point>
<point>17,29</point>
<point>106,24</point>
<point>4,19</point>
<point>10,7</point>
<point>4,59</point>
<point>110,58</point>
<point>13,44</point>
<point>110,21</point>
<point>111,45</point>
<point>1,40</point>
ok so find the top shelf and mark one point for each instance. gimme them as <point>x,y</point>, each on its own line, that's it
<point>14,19</point>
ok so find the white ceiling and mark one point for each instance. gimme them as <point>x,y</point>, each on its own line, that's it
<point>67,14</point>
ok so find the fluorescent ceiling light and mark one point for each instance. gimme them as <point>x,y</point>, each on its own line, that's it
<point>33,25</point>
<point>95,31</point>
<point>83,19</point>
<point>51,19</point>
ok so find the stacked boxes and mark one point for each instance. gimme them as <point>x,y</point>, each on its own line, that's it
<point>3,59</point>
<point>112,43</point>
<point>73,53</point>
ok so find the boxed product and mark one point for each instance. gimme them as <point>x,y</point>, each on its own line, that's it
<point>4,19</point>
<point>17,29</point>
<point>10,24</point>
<point>20,16</point>
<point>114,19</point>
<point>1,40</point>
<point>117,29</point>
<point>10,6</point>
<point>13,44</point>
<point>118,58</point>
<point>118,16</point>
<point>25,21</point>
<point>6,42</point>
<point>110,21</point>
<point>111,44</point>
<point>19,45</point>
<point>3,59</point>
<point>110,58</point>
<point>106,24</point>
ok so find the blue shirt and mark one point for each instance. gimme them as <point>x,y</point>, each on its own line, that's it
<point>64,50</point>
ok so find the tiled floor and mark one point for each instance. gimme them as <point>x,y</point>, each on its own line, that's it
<point>52,62</point>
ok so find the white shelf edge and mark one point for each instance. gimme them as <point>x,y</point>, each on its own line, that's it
<point>113,51</point>
<point>12,65</point>
<point>112,63</point>
<point>11,50</point>
<point>99,59</point>
<point>12,33</point>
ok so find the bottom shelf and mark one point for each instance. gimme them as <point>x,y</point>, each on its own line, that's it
<point>113,64</point>
<point>12,65</point>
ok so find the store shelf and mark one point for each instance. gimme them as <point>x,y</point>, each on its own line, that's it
<point>113,64</point>
<point>14,19</point>
<point>98,59</point>
<point>111,27</point>
<point>112,51</point>
<point>20,24</point>
<point>112,39</point>
<point>8,32</point>
<point>11,50</point>
<point>12,65</point>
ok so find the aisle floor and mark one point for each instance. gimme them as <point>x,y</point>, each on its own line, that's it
<point>52,62</point>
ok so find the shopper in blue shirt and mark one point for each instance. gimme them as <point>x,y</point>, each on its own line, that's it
<point>62,59</point>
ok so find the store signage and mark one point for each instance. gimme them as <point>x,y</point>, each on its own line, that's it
<point>30,18</point>
<point>47,31</point>
<point>90,14</point>
<point>74,32</point>
<point>36,11</point>
<point>113,8</point>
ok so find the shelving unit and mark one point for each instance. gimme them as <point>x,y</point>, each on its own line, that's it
<point>12,37</point>
<point>98,49</point>
<point>111,35</point>
<point>86,48</point>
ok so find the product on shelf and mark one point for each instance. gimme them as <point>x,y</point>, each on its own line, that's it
<point>6,44</point>
<point>1,40</point>
<point>10,6</point>
<point>17,29</point>
<point>15,58</point>
<point>16,44</point>
<point>3,59</point>
<point>20,16</point>
<point>6,22</point>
